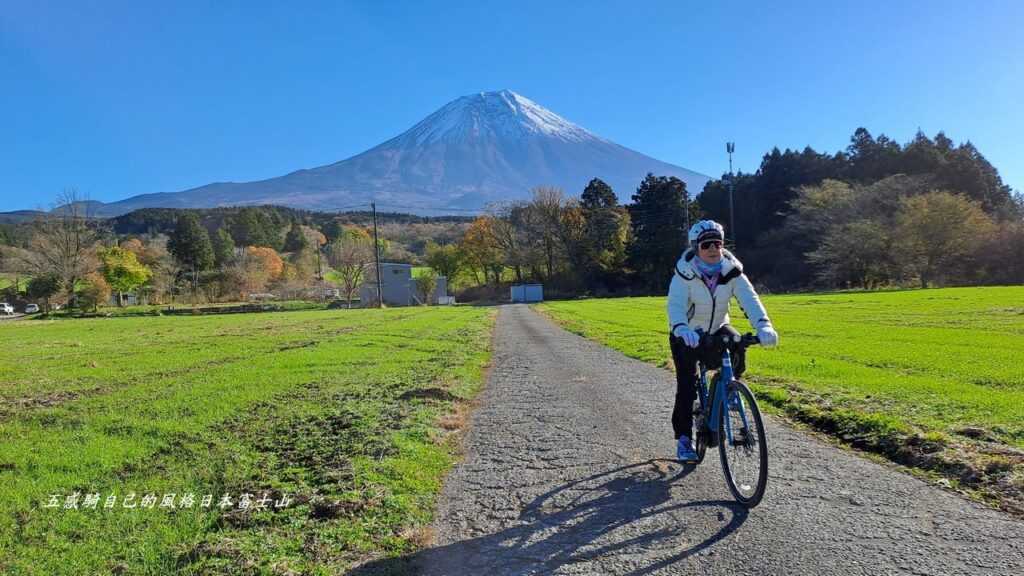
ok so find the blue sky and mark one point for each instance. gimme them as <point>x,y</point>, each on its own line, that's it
<point>123,98</point>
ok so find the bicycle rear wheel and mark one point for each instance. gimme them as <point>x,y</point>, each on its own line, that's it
<point>742,445</point>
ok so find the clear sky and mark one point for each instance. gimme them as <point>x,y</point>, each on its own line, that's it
<point>123,98</point>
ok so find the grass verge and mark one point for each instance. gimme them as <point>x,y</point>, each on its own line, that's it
<point>931,379</point>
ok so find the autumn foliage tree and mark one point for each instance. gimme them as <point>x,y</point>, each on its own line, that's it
<point>260,265</point>
<point>481,249</point>
<point>939,235</point>
<point>94,290</point>
<point>122,271</point>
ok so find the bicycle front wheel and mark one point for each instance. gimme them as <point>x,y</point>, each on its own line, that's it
<point>742,445</point>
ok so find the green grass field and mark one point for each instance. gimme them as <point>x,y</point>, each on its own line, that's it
<point>347,414</point>
<point>182,304</point>
<point>7,280</point>
<point>878,369</point>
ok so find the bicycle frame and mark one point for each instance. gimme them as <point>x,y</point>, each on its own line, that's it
<point>725,375</point>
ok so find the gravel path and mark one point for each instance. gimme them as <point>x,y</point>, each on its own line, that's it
<point>566,472</point>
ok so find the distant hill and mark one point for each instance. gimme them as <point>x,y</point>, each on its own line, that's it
<point>478,149</point>
<point>19,216</point>
<point>163,220</point>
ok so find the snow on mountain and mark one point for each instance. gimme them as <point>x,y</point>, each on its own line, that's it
<point>478,149</point>
<point>503,113</point>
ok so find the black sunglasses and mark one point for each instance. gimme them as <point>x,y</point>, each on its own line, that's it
<point>707,244</point>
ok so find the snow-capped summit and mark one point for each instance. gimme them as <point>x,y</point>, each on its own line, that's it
<point>475,150</point>
<point>504,113</point>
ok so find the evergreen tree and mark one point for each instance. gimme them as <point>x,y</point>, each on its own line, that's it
<point>602,241</point>
<point>295,241</point>
<point>922,156</point>
<point>190,245</point>
<point>658,220</point>
<point>43,287</point>
<point>223,248</point>
<point>966,170</point>
<point>333,230</point>
<point>254,227</point>
<point>872,159</point>
<point>598,194</point>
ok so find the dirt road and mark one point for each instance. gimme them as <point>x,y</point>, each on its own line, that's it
<point>567,472</point>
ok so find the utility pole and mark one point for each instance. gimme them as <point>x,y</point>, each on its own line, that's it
<point>686,215</point>
<point>319,266</point>
<point>730,147</point>
<point>376,257</point>
<point>320,284</point>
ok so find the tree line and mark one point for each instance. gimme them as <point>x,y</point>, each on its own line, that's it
<point>869,215</point>
<point>926,213</point>
<point>224,254</point>
<point>879,213</point>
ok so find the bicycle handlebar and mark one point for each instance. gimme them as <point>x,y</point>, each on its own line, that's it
<point>732,341</point>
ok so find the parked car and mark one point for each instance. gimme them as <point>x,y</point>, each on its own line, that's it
<point>31,309</point>
<point>6,308</point>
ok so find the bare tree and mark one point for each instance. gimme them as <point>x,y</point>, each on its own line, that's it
<point>545,223</point>
<point>425,285</point>
<point>507,234</point>
<point>63,242</point>
<point>350,256</point>
<point>165,269</point>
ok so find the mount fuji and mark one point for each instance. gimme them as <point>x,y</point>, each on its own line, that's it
<point>478,149</point>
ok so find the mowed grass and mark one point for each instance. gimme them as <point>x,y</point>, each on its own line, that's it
<point>7,281</point>
<point>344,413</point>
<point>939,365</point>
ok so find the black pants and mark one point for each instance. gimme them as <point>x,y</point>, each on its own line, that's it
<point>685,359</point>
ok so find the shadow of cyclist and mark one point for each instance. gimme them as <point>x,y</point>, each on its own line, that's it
<point>626,510</point>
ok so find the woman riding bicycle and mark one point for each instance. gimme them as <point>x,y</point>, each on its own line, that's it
<point>705,279</point>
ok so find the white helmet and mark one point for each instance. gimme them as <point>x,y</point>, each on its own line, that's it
<point>706,230</point>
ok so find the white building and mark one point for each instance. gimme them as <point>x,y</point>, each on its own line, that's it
<point>399,287</point>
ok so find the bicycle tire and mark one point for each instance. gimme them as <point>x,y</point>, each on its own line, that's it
<point>700,441</point>
<point>754,497</point>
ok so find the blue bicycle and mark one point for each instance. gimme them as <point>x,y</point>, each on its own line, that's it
<point>731,420</point>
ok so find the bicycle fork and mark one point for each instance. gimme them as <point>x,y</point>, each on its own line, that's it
<point>727,404</point>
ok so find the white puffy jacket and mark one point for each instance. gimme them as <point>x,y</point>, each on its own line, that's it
<point>691,303</point>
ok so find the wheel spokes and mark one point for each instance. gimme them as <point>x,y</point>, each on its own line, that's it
<point>742,449</point>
